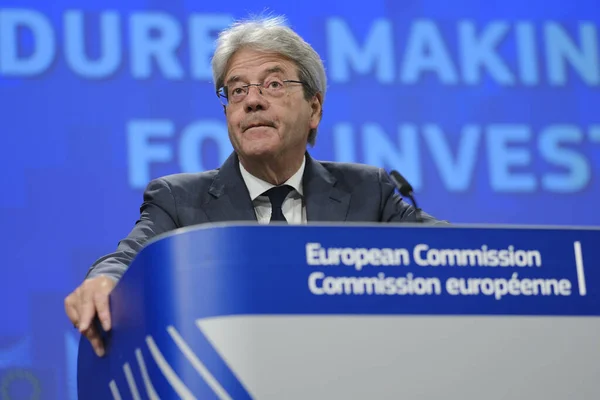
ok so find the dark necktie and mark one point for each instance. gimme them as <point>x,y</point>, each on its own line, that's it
<point>276,196</point>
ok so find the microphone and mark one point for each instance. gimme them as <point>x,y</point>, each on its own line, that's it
<point>405,190</point>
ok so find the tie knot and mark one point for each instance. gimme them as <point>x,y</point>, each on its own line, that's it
<point>278,194</point>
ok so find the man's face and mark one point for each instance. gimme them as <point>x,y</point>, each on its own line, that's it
<point>264,126</point>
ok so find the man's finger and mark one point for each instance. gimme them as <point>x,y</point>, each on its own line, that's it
<point>95,339</point>
<point>87,309</point>
<point>102,308</point>
<point>71,309</point>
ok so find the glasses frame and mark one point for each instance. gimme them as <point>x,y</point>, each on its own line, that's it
<point>224,98</point>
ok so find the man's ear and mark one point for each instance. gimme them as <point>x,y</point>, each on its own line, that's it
<point>316,105</point>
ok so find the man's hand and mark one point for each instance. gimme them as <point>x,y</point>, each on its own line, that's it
<point>85,302</point>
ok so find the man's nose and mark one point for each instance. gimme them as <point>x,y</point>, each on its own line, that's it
<point>255,100</point>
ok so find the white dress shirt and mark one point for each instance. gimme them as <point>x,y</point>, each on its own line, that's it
<point>293,207</point>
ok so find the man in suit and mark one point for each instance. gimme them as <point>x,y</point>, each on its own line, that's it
<point>272,87</point>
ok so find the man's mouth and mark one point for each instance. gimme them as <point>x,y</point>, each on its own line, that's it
<point>256,125</point>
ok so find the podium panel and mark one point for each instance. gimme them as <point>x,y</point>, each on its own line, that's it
<point>354,311</point>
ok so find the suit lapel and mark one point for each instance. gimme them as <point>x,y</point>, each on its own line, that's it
<point>325,201</point>
<point>228,198</point>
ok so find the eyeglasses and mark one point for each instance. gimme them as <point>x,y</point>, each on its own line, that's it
<point>237,91</point>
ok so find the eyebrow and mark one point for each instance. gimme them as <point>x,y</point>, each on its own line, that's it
<point>232,79</point>
<point>273,70</point>
<point>268,71</point>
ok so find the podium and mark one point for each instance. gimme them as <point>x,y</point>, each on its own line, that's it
<point>238,311</point>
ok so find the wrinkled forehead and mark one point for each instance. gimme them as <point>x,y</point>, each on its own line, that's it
<point>246,65</point>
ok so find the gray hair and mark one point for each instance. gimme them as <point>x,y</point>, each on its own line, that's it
<point>271,35</point>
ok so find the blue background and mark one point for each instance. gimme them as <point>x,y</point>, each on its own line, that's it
<point>73,182</point>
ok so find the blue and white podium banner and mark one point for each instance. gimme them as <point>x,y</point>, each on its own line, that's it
<point>367,311</point>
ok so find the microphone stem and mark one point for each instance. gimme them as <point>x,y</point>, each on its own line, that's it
<point>417,209</point>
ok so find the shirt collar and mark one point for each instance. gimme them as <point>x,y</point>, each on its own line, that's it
<point>257,187</point>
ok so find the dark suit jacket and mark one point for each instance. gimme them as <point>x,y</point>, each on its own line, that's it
<point>333,192</point>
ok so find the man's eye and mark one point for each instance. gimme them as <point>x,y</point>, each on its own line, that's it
<point>275,85</point>
<point>237,91</point>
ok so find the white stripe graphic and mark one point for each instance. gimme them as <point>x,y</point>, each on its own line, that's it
<point>131,382</point>
<point>198,365</point>
<point>579,265</point>
<point>147,382</point>
<point>114,390</point>
<point>168,372</point>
